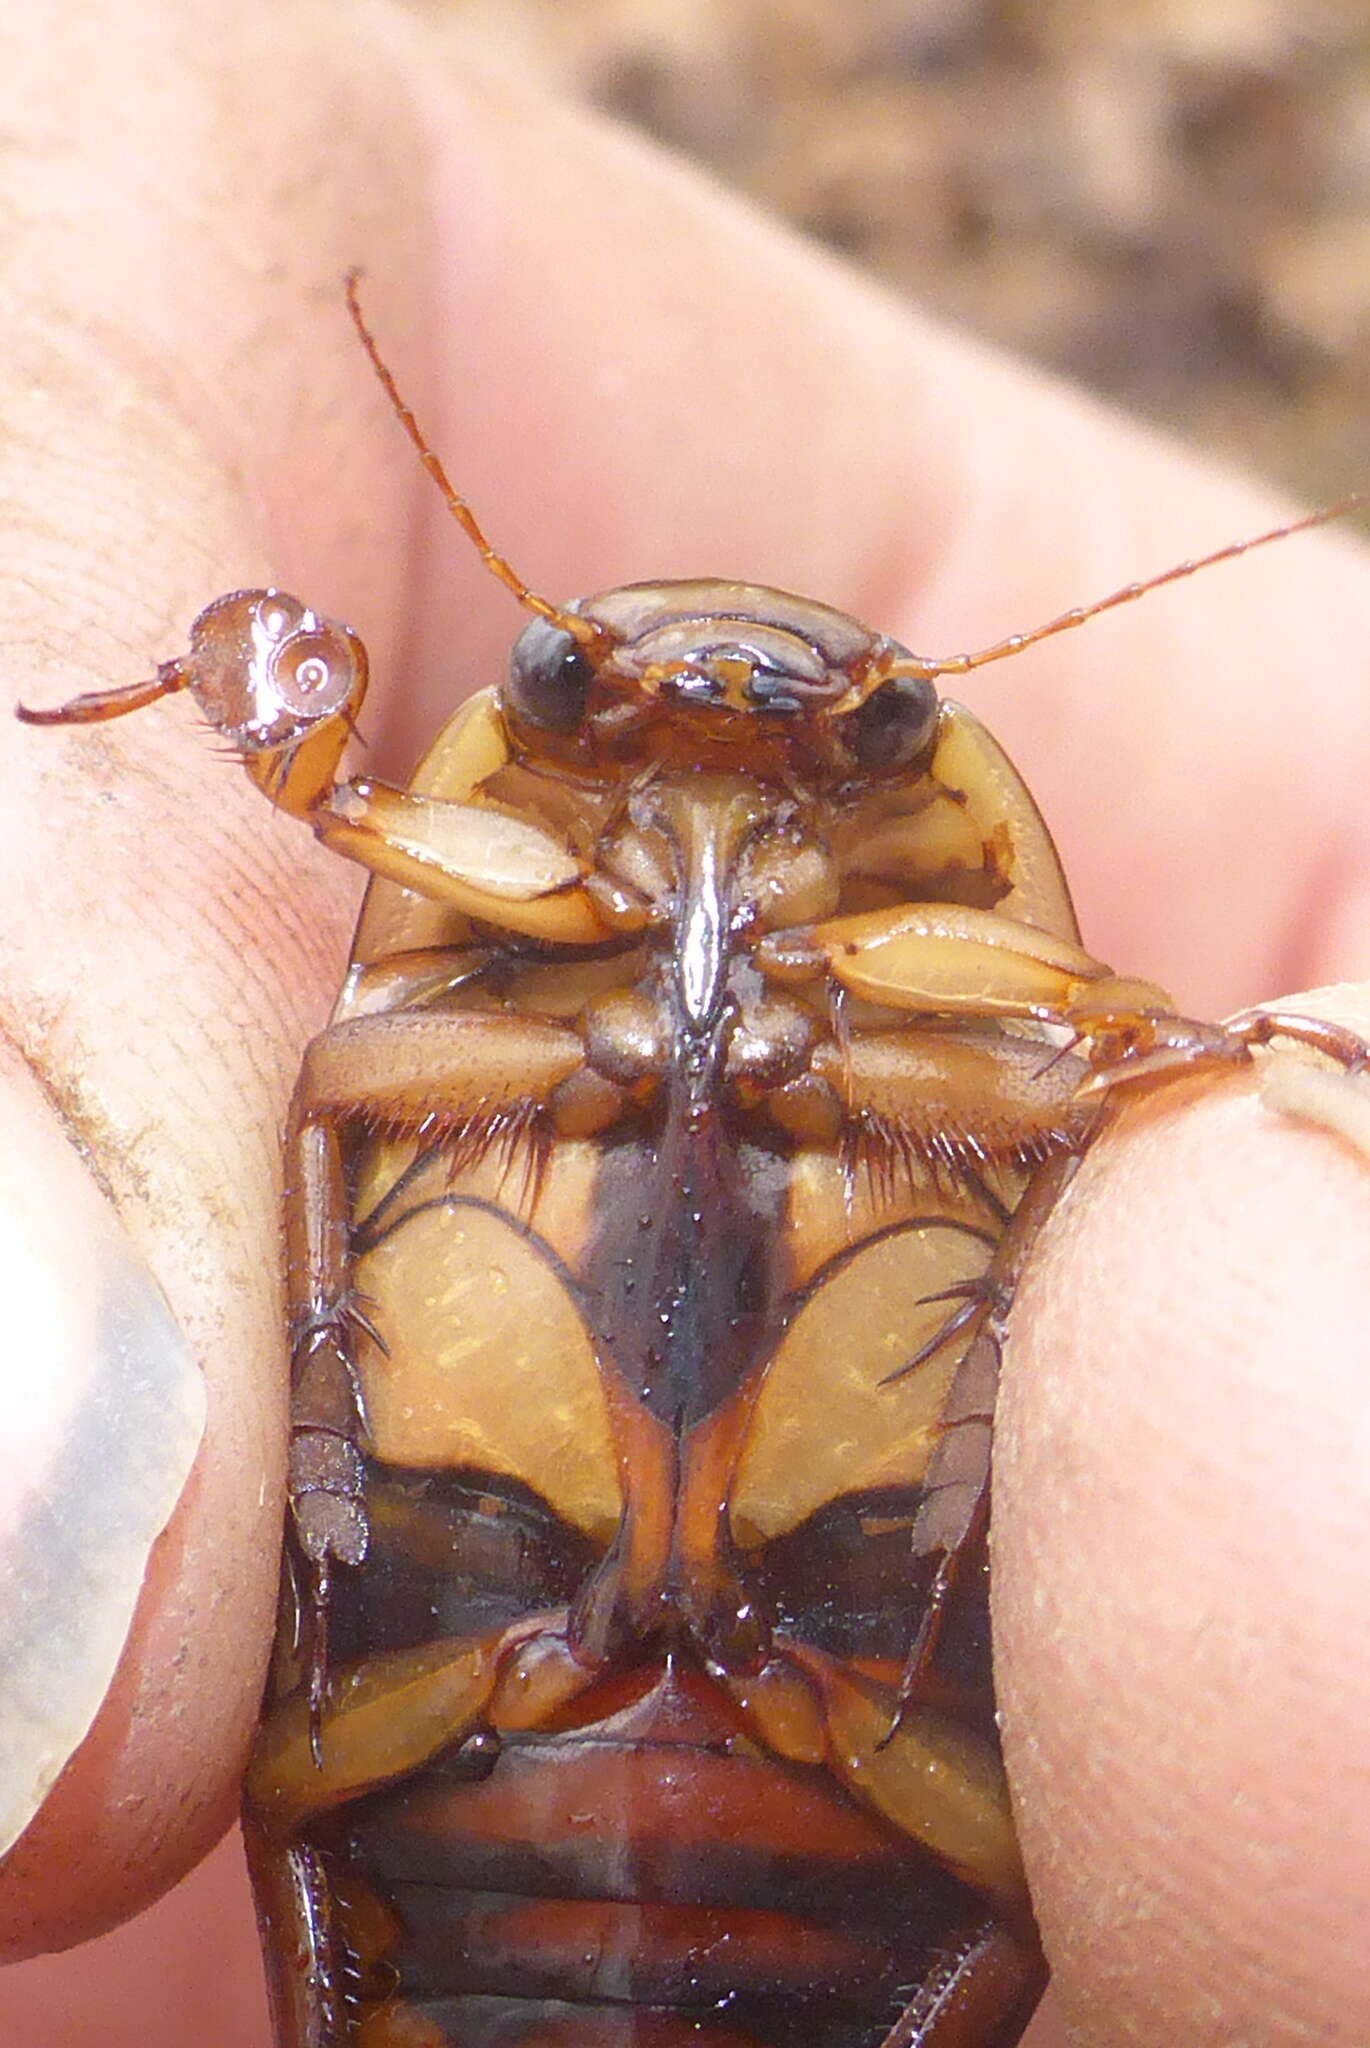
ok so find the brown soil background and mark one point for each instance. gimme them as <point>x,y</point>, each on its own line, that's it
<point>1168,200</point>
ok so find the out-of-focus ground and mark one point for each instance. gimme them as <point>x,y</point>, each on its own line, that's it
<point>1166,199</point>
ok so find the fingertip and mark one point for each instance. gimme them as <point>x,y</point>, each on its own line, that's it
<point>158,1980</point>
<point>1180,1520</point>
<point>104,1414</point>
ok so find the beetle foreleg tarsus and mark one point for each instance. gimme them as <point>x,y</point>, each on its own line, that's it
<point>94,707</point>
<point>281,684</point>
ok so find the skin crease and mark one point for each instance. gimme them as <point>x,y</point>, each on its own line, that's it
<point>1179,1537</point>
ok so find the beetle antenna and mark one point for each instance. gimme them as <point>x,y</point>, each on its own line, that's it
<point>581,629</point>
<point>961,664</point>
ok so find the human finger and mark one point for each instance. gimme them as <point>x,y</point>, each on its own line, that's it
<point>1181,1507</point>
<point>171,407</point>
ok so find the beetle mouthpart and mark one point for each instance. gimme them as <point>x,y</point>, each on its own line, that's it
<point>691,685</point>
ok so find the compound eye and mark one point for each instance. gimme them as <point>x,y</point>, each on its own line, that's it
<point>895,725</point>
<point>549,677</point>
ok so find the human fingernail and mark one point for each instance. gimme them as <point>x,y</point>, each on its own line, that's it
<point>102,1408</point>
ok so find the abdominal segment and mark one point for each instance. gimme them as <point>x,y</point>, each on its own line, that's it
<point>613,1749</point>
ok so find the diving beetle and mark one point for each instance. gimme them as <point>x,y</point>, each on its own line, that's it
<point>716,1036</point>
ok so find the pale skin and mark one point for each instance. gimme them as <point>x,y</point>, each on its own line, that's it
<point>633,378</point>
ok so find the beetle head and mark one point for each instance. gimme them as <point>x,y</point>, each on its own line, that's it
<point>673,671</point>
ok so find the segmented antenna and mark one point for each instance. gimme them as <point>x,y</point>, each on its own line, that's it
<point>961,664</point>
<point>581,629</point>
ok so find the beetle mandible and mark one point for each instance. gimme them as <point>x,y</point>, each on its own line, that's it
<point>717,1035</point>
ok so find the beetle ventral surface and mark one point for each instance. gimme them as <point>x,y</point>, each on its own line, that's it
<point>717,1035</point>
<point>653,1188</point>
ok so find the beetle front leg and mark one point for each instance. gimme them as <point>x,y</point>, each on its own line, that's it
<point>511,872</point>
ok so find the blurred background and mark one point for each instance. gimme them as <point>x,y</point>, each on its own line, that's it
<point>1167,200</point>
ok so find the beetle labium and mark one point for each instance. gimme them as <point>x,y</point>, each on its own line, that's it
<point>716,1036</point>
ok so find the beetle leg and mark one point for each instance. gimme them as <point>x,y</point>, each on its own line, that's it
<point>958,1474</point>
<point>979,1998</point>
<point>968,1097</point>
<point>1126,1048</point>
<point>938,1781</point>
<point>433,1072</point>
<point>414,1073</point>
<point>956,1486</point>
<point>950,960</point>
<point>390,1714</point>
<point>325,1469</point>
<point>973,1297</point>
<point>293,1891</point>
<point>511,872</point>
<point>1261,1027</point>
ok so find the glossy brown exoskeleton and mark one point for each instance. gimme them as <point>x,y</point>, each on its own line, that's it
<point>716,1035</point>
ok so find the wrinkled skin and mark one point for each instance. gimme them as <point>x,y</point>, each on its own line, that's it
<point>181,317</point>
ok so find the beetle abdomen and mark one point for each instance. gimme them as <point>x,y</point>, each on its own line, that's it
<point>643,1463</point>
<point>645,1882</point>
